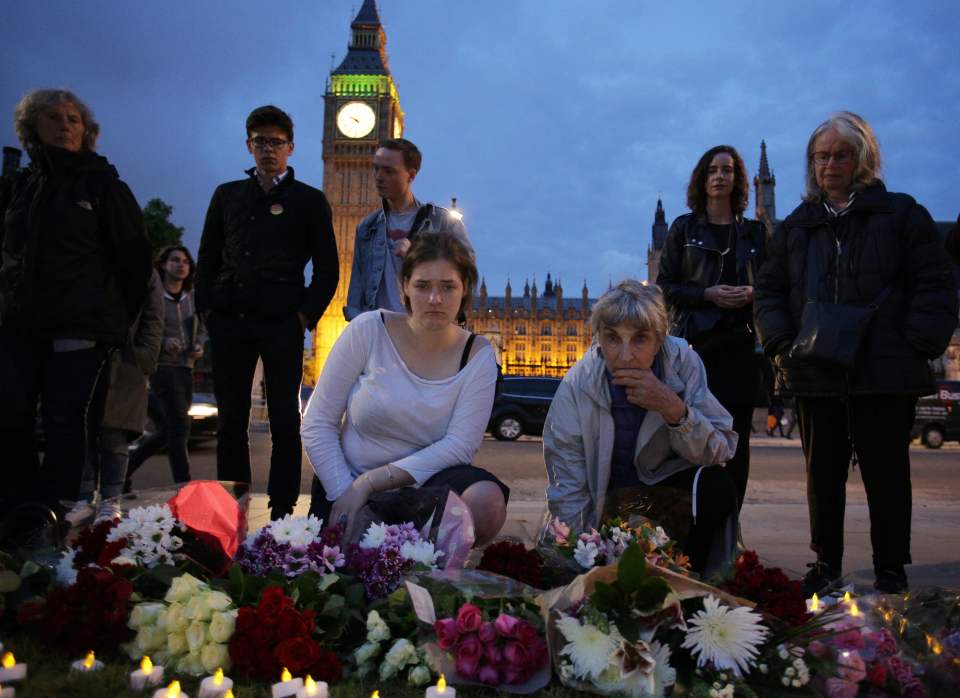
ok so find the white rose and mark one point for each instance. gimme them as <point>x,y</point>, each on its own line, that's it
<point>419,676</point>
<point>401,653</point>
<point>387,671</point>
<point>215,656</point>
<point>366,652</point>
<point>197,635</point>
<point>191,663</point>
<point>183,587</point>
<point>196,608</point>
<point>177,644</point>
<point>150,638</point>
<point>176,620</point>
<point>377,629</point>
<point>145,614</point>
<point>222,625</point>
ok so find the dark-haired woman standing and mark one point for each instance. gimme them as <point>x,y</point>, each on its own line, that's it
<point>709,262</point>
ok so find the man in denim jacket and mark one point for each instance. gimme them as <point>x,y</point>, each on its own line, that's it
<point>384,236</point>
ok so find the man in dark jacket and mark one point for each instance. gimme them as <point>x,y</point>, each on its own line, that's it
<point>259,234</point>
<point>852,245</point>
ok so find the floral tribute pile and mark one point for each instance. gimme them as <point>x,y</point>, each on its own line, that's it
<point>613,611</point>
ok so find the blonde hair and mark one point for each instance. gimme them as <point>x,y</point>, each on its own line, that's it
<point>855,130</point>
<point>28,109</point>
<point>634,303</point>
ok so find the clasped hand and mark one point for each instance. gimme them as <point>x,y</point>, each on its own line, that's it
<point>646,390</point>
<point>729,296</point>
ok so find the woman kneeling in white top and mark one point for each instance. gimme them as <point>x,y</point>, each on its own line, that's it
<point>404,398</point>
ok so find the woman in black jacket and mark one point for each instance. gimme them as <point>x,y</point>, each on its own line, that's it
<point>855,255</point>
<point>74,274</point>
<point>707,268</point>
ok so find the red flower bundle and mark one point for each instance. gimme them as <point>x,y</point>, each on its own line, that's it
<point>275,635</point>
<point>768,587</point>
<point>90,614</point>
<point>92,546</point>
<point>507,651</point>
<point>515,561</point>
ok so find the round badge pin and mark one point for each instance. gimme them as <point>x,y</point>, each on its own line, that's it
<point>276,209</point>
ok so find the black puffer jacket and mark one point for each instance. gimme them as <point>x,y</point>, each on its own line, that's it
<point>256,244</point>
<point>886,240</point>
<point>76,261</point>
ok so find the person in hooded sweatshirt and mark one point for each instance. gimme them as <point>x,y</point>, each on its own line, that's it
<point>75,270</point>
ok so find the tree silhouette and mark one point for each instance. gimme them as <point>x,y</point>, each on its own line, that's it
<point>160,231</point>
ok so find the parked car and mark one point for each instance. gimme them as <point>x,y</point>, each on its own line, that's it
<point>521,407</point>
<point>938,416</point>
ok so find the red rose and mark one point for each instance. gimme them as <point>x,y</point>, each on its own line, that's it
<point>272,603</point>
<point>468,646</point>
<point>493,653</point>
<point>489,675</point>
<point>446,630</point>
<point>467,668</point>
<point>487,632</point>
<point>506,625</point>
<point>877,675</point>
<point>515,654</point>
<point>243,653</point>
<point>469,618</point>
<point>290,623</point>
<point>297,653</point>
<point>327,667</point>
<point>526,633</point>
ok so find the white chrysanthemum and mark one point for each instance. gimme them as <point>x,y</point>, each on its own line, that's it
<point>664,675</point>
<point>375,536</point>
<point>66,574</point>
<point>422,552</point>
<point>586,554</point>
<point>588,648</point>
<point>727,637</point>
<point>661,538</point>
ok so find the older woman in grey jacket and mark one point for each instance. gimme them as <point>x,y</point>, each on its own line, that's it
<point>636,410</point>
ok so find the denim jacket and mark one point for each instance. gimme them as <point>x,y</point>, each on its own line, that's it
<point>370,251</point>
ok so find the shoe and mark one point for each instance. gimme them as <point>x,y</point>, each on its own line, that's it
<point>891,581</point>
<point>108,511</point>
<point>819,578</point>
<point>80,513</point>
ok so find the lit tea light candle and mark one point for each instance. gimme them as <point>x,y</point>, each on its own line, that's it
<point>375,694</point>
<point>171,691</point>
<point>87,664</point>
<point>216,686</point>
<point>147,676</point>
<point>7,692</point>
<point>10,670</point>
<point>814,604</point>
<point>846,597</point>
<point>229,693</point>
<point>288,687</point>
<point>854,609</point>
<point>441,690</point>
<point>313,689</point>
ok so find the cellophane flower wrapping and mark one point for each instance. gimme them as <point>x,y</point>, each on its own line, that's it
<point>216,512</point>
<point>482,629</point>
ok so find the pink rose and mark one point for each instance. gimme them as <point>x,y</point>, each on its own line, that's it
<point>526,633</point>
<point>506,625</point>
<point>849,640</point>
<point>487,632</point>
<point>850,666</point>
<point>489,675</point>
<point>469,618</point>
<point>468,646</point>
<point>559,530</point>
<point>493,653</point>
<point>838,688</point>
<point>515,654</point>
<point>513,675</point>
<point>467,667</point>
<point>446,631</point>
<point>819,649</point>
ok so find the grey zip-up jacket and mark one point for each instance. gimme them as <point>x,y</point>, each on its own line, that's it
<point>181,321</point>
<point>578,433</point>
<point>370,251</point>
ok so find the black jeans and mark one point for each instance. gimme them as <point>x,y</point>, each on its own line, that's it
<point>880,426</point>
<point>63,383</point>
<point>237,341</point>
<point>171,393</point>
<point>739,466</point>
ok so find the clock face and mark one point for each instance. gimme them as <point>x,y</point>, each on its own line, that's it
<point>356,119</point>
<point>397,128</point>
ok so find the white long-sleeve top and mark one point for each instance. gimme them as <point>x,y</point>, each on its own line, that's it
<point>369,409</point>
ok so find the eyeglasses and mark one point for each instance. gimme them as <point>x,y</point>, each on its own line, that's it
<point>261,143</point>
<point>841,157</point>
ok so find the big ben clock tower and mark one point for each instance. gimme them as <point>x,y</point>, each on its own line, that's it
<point>361,108</point>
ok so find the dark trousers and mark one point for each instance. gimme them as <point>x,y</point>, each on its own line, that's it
<point>64,383</point>
<point>738,467</point>
<point>880,427</point>
<point>237,342</point>
<point>171,393</point>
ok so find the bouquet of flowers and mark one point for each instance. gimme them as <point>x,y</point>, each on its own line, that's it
<point>401,656</point>
<point>149,537</point>
<point>274,635</point>
<point>292,545</point>
<point>189,629</point>
<point>386,553</point>
<point>769,588</point>
<point>90,548</point>
<point>89,614</point>
<point>515,561</point>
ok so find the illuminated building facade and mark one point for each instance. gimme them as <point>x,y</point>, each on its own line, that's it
<point>534,335</point>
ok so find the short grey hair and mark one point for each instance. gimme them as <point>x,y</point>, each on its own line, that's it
<point>634,303</point>
<point>855,130</point>
<point>28,109</point>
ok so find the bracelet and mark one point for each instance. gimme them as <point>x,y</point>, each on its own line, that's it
<point>390,477</point>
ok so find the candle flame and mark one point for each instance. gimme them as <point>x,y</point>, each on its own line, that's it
<point>285,675</point>
<point>146,666</point>
<point>229,693</point>
<point>814,602</point>
<point>854,609</point>
<point>375,694</point>
<point>89,660</point>
<point>309,686</point>
<point>173,690</point>
<point>8,660</point>
<point>934,645</point>
<point>218,677</point>
<point>442,684</point>
<point>846,597</point>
